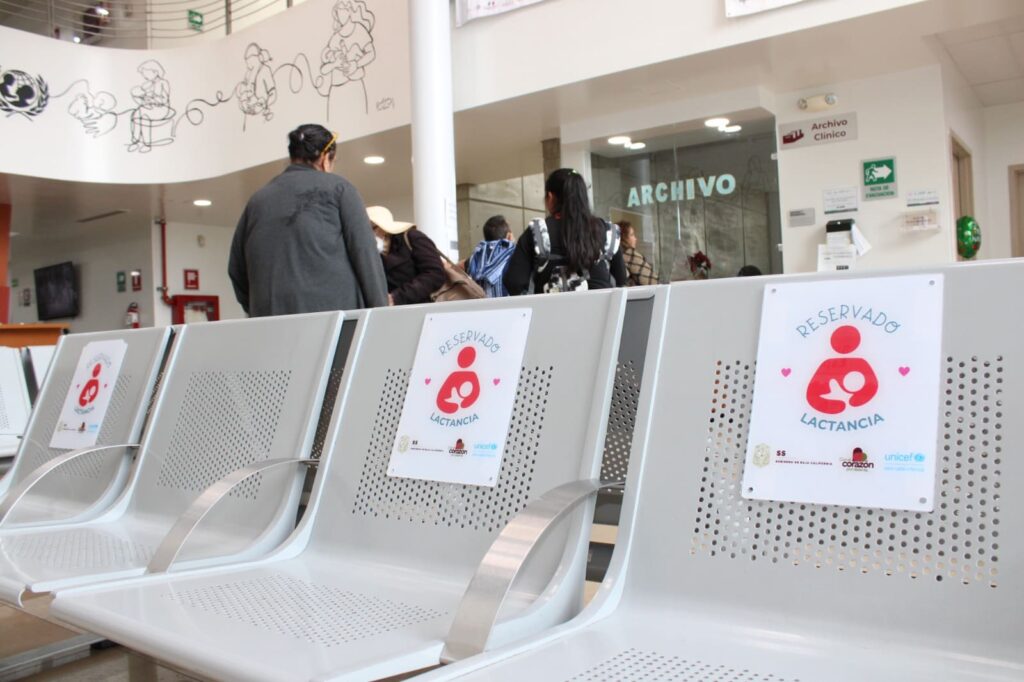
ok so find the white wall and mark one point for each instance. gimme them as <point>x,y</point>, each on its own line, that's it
<point>97,258</point>
<point>899,114</point>
<point>211,259</point>
<point>1004,148</point>
<point>965,118</point>
<point>565,41</point>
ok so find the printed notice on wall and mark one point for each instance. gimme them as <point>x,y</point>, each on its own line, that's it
<point>846,396</point>
<point>457,411</point>
<point>468,10</point>
<point>85,406</point>
<point>739,8</point>
<point>840,200</point>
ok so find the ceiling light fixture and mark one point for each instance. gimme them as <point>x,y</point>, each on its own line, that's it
<point>620,140</point>
<point>102,11</point>
<point>731,129</point>
<point>717,122</point>
<point>202,203</point>
<point>636,146</point>
<point>77,39</point>
<point>374,160</point>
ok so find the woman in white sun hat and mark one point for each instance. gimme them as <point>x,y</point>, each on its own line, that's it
<point>411,261</point>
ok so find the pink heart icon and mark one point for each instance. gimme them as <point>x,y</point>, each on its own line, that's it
<point>786,371</point>
<point>427,381</point>
<point>904,371</point>
<point>497,381</point>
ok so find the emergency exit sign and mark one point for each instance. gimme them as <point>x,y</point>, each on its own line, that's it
<point>879,177</point>
<point>195,20</point>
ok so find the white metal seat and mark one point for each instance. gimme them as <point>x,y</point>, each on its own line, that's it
<point>234,395</point>
<point>89,485</point>
<point>707,585</point>
<point>370,583</point>
<point>14,401</point>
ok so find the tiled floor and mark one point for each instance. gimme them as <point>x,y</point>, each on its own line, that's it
<point>21,632</point>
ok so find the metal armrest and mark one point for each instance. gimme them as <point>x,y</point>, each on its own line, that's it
<point>480,605</point>
<point>175,539</point>
<point>18,492</point>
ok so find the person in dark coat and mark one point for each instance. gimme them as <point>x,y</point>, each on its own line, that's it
<point>304,243</point>
<point>411,261</point>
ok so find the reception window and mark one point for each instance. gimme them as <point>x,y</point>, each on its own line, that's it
<point>695,196</point>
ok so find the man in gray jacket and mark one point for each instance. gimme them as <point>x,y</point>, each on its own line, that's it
<point>304,243</point>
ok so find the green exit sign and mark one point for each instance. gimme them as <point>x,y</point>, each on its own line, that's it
<point>195,20</point>
<point>879,178</point>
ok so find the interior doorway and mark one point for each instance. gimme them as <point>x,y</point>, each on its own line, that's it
<point>1017,211</point>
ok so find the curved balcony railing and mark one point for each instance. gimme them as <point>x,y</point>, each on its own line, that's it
<point>133,23</point>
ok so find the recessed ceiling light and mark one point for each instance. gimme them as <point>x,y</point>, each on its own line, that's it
<point>717,122</point>
<point>636,145</point>
<point>731,129</point>
<point>77,39</point>
<point>202,203</point>
<point>102,11</point>
<point>619,139</point>
<point>374,160</point>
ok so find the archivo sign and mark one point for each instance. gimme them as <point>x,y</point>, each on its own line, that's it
<point>682,190</point>
<point>841,128</point>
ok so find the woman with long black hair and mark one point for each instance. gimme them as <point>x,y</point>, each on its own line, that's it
<point>578,250</point>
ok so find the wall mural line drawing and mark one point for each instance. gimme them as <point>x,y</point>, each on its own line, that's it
<point>153,120</point>
<point>349,50</point>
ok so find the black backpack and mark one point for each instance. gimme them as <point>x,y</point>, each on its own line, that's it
<point>561,280</point>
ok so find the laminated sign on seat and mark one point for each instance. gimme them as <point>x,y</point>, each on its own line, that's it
<point>88,398</point>
<point>846,396</point>
<point>456,414</point>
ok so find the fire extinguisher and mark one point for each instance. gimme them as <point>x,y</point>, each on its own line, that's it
<point>131,318</point>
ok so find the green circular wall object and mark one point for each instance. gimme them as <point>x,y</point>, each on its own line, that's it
<point>968,237</point>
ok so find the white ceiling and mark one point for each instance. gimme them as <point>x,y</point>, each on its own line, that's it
<point>502,140</point>
<point>991,57</point>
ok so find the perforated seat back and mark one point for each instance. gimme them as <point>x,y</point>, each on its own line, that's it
<point>235,393</point>
<point>951,577</point>
<point>84,481</point>
<point>556,435</point>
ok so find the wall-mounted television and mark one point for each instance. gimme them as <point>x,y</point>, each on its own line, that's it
<point>56,291</point>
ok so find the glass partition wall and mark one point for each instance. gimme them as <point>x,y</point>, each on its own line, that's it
<point>700,191</point>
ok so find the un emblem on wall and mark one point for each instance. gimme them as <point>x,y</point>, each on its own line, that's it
<point>22,94</point>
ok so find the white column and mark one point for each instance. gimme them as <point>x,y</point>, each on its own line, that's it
<point>433,135</point>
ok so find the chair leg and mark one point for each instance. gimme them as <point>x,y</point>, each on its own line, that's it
<point>141,668</point>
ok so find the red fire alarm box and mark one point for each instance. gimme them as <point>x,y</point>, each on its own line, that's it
<point>191,279</point>
<point>188,309</point>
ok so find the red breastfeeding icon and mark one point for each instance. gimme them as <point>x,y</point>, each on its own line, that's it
<point>462,387</point>
<point>91,390</point>
<point>845,381</point>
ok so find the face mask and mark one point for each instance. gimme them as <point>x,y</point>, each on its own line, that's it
<point>380,244</point>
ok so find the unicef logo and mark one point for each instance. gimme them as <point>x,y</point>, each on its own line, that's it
<point>918,457</point>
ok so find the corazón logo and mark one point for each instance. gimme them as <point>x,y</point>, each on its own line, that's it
<point>858,461</point>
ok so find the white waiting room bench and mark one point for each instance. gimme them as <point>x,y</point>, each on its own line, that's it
<point>236,409</point>
<point>49,493</point>
<point>370,582</point>
<point>707,585</point>
<point>14,401</point>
